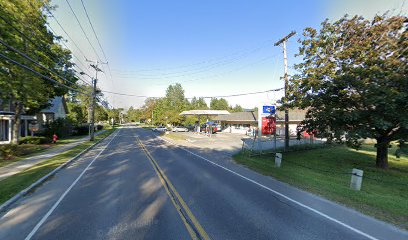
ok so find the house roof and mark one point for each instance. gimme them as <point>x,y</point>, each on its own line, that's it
<point>56,104</point>
<point>251,116</point>
<point>238,116</point>
<point>205,112</point>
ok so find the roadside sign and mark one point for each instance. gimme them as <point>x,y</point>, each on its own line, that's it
<point>268,125</point>
<point>266,120</point>
<point>268,109</point>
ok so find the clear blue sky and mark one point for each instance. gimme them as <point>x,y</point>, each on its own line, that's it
<point>211,47</point>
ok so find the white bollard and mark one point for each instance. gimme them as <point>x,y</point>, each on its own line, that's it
<point>278,159</point>
<point>356,179</point>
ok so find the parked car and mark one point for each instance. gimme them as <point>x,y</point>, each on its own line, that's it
<point>180,129</point>
<point>160,129</point>
<point>212,127</point>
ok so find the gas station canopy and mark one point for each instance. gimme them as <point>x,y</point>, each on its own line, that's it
<point>205,112</point>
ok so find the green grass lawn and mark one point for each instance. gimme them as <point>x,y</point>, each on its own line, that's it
<point>14,184</point>
<point>175,136</point>
<point>28,150</point>
<point>325,172</point>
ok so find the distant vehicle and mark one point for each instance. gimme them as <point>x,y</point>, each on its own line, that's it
<point>159,129</point>
<point>180,129</point>
<point>204,128</point>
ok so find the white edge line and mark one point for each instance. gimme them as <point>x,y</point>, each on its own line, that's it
<point>278,193</point>
<point>44,218</point>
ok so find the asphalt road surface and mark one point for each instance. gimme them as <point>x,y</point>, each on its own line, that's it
<point>136,185</point>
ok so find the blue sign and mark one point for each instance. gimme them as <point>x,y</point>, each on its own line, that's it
<point>269,109</point>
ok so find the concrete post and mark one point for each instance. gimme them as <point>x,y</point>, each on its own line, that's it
<point>10,130</point>
<point>356,179</point>
<point>278,159</point>
<point>25,128</point>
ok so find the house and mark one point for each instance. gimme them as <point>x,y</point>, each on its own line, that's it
<point>241,122</point>
<point>58,109</point>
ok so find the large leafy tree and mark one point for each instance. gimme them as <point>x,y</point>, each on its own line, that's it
<point>198,104</point>
<point>219,104</point>
<point>22,26</point>
<point>354,80</point>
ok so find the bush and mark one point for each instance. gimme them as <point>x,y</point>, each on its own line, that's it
<point>99,127</point>
<point>9,150</point>
<point>81,130</point>
<point>60,126</point>
<point>35,140</point>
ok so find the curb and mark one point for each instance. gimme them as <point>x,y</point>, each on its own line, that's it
<point>40,181</point>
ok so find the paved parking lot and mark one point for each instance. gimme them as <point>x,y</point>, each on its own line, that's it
<point>229,143</point>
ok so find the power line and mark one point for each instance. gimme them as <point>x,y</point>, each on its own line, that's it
<point>221,96</point>
<point>241,52</point>
<point>83,31</point>
<point>32,60</point>
<point>194,71</point>
<point>62,28</point>
<point>96,36</point>
<point>244,94</point>
<point>37,73</point>
<point>29,39</point>
<point>63,43</point>
<point>224,73</point>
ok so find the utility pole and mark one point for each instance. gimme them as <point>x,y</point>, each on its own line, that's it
<point>285,61</point>
<point>93,101</point>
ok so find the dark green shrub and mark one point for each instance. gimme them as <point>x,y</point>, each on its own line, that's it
<point>8,151</point>
<point>99,127</point>
<point>81,130</point>
<point>61,126</point>
<point>35,140</point>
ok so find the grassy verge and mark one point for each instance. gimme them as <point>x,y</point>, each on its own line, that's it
<point>14,184</point>
<point>326,171</point>
<point>175,136</point>
<point>29,150</point>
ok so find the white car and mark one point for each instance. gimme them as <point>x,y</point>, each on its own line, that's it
<point>180,129</point>
<point>160,129</point>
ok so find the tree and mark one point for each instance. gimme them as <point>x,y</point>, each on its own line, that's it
<point>237,108</point>
<point>219,104</point>
<point>27,91</point>
<point>198,104</point>
<point>133,115</point>
<point>353,81</point>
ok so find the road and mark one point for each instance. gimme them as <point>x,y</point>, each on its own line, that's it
<point>136,185</point>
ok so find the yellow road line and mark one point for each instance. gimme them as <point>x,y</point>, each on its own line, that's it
<point>196,231</point>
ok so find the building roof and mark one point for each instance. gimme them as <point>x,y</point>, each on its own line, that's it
<point>205,112</point>
<point>57,104</point>
<point>238,117</point>
<point>251,116</point>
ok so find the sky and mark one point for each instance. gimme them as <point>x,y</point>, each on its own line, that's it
<point>212,47</point>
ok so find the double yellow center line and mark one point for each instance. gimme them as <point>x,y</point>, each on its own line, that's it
<point>194,228</point>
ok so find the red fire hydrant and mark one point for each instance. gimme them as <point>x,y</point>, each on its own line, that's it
<point>54,138</point>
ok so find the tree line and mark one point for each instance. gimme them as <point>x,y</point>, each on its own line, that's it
<point>166,110</point>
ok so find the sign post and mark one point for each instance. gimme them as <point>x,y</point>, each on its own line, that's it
<point>266,122</point>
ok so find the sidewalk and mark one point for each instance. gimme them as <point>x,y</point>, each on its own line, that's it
<point>24,164</point>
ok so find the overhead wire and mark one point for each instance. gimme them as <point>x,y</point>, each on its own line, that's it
<point>45,50</point>
<point>33,61</point>
<point>96,36</point>
<point>205,97</point>
<point>240,52</point>
<point>83,31</point>
<point>37,73</point>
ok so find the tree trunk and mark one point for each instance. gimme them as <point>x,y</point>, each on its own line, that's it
<point>382,153</point>
<point>17,123</point>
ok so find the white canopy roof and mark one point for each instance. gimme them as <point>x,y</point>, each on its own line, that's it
<point>205,112</point>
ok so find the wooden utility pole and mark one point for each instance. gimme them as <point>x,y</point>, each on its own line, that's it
<point>285,61</point>
<point>93,102</point>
